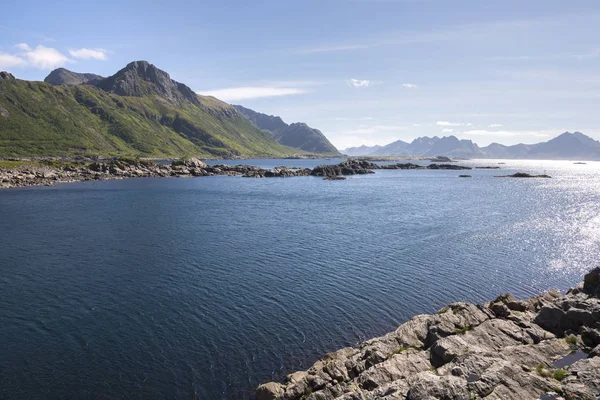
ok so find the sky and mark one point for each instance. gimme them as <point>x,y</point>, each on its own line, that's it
<point>362,71</point>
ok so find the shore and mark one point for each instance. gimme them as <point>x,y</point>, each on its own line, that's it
<point>546,347</point>
<point>50,172</point>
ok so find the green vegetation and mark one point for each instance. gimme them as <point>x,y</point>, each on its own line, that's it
<point>542,371</point>
<point>400,350</point>
<point>572,340</point>
<point>39,119</point>
<point>443,310</point>
<point>560,374</point>
<point>10,164</point>
<point>464,330</point>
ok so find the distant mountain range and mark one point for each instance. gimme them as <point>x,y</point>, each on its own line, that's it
<point>297,135</point>
<point>568,146</point>
<point>138,111</point>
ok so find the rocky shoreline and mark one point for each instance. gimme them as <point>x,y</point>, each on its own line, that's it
<point>546,347</point>
<point>50,173</point>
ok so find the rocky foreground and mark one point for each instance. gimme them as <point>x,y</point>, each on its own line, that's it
<point>546,347</point>
<point>49,173</point>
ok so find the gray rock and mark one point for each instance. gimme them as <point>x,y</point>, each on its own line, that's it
<point>467,351</point>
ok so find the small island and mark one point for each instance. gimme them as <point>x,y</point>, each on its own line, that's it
<point>523,175</point>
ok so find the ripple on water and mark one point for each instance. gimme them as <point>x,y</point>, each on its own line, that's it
<point>207,287</point>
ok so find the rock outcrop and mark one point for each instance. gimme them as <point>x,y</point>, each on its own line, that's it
<point>523,175</point>
<point>51,172</point>
<point>506,349</point>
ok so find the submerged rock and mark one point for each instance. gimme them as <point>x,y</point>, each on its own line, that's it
<point>505,349</point>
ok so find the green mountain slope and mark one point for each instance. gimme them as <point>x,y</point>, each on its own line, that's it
<point>139,111</point>
<point>297,135</point>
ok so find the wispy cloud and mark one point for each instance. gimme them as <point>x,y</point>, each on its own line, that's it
<point>358,83</point>
<point>7,61</point>
<point>482,132</point>
<point>448,123</point>
<point>447,130</point>
<point>494,126</point>
<point>373,129</point>
<point>43,57</point>
<point>463,32</point>
<point>89,54</point>
<point>251,92</point>
<point>23,46</point>
<point>409,85</point>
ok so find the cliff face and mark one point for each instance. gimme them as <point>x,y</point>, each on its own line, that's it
<point>546,347</point>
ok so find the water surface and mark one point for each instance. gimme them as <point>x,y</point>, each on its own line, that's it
<point>206,287</point>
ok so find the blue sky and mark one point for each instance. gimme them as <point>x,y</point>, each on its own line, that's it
<point>364,72</point>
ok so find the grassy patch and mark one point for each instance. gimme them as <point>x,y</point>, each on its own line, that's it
<point>443,310</point>
<point>559,374</point>
<point>542,371</point>
<point>10,164</point>
<point>572,340</point>
<point>464,330</point>
<point>399,351</point>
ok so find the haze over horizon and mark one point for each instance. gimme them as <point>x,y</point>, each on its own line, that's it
<point>363,72</point>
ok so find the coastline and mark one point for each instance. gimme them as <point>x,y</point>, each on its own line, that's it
<point>52,172</point>
<point>546,347</point>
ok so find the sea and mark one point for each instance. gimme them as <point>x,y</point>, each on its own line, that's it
<point>204,288</point>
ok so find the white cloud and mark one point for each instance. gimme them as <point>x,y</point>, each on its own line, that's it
<point>447,123</point>
<point>416,124</point>
<point>23,46</point>
<point>409,85</point>
<point>8,61</point>
<point>447,130</point>
<point>251,92</point>
<point>358,83</point>
<point>494,126</point>
<point>45,58</point>
<point>88,54</point>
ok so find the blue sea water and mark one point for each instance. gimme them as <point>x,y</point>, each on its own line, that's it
<point>206,287</point>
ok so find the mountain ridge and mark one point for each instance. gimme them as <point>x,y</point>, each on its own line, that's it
<point>566,146</point>
<point>138,111</point>
<point>298,134</point>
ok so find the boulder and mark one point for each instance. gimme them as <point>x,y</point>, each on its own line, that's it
<point>269,391</point>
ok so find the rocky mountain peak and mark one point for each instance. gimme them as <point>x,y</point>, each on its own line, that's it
<point>62,76</point>
<point>4,75</point>
<point>140,78</point>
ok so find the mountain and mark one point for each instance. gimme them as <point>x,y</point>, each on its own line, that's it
<point>297,135</point>
<point>63,76</point>
<point>138,111</point>
<point>426,146</point>
<point>361,150</point>
<point>568,146</point>
<point>397,148</point>
<point>451,146</point>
